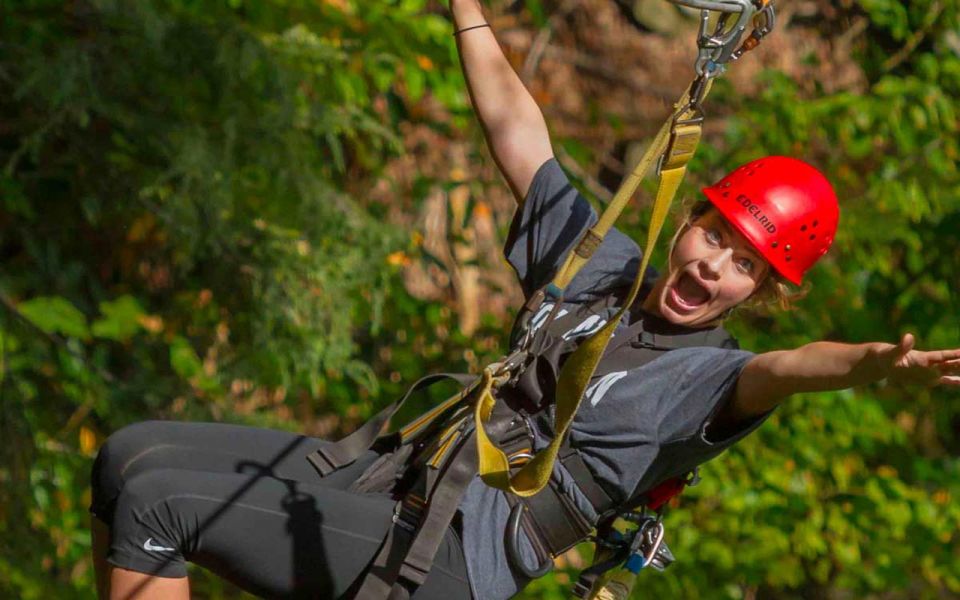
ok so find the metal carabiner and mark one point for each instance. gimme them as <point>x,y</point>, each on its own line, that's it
<point>698,90</point>
<point>763,23</point>
<point>654,542</point>
<point>511,362</point>
<point>513,546</point>
<point>724,6</point>
<point>718,46</point>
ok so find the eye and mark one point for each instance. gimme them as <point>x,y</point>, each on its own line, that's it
<point>713,236</point>
<point>746,265</point>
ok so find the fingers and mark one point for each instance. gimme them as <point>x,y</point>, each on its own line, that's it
<point>948,368</point>
<point>903,347</point>
<point>948,358</point>
<point>949,380</point>
<point>906,344</point>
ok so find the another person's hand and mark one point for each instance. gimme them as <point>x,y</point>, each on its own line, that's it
<point>933,367</point>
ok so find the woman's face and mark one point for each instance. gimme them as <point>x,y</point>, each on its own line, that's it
<point>712,268</point>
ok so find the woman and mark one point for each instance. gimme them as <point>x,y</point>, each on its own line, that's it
<point>245,503</point>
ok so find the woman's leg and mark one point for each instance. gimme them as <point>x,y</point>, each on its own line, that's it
<point>212,447</point>
<point>275,538</point>
<point>240,517</point>
<point>131,585</point>
<point>100,537</point>
<point>126,584</point>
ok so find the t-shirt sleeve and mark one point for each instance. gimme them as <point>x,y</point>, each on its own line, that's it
<point>552,219</point>
<point>639,427</point>
<point>704,385</point>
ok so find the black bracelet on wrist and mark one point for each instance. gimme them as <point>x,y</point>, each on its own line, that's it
<point>459,31</point>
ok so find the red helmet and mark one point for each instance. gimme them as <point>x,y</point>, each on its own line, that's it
<point>784,207</point>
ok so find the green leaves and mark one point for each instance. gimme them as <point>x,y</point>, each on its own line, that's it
<point>206,210</point>
<point>120,321</point>
<point>184,359</point>
<point>54,314</point>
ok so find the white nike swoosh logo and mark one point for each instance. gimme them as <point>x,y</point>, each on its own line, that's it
<point>148,545</point>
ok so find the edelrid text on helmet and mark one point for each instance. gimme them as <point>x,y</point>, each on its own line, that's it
<point>784,207</point>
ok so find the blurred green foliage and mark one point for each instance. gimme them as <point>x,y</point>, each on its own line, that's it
<point>186,233</point>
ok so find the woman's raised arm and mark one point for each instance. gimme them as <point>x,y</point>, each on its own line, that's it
<point>771,377</point>
<point>512,122</point>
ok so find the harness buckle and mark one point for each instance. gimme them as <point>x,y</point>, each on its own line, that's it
<point>408,512</point>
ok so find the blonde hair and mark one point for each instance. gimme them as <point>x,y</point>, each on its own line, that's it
<point>772,290</point>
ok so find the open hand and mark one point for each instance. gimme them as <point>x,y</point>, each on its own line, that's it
<point>933,367</point>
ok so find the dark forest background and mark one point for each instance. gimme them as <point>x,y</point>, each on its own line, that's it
<point>281,212</point>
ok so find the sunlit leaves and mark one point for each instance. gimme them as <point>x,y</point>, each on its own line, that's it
<point>187,234</point>
<point>121,319</point>
<point>54,314</point>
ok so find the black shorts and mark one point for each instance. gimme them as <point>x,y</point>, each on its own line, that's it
<point>245,503</point>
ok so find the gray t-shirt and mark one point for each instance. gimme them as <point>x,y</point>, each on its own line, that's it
<point>634,428</point>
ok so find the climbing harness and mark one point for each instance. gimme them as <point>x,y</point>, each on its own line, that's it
<point>429,463</point>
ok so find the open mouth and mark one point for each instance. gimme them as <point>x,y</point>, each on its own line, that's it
<point>687,293</point>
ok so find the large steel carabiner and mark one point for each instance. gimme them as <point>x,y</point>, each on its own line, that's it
<point>717,46</point>
<point>513,546</point>
<point>724,6</point>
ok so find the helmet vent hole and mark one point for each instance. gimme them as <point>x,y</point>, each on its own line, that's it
<point>815,223</point>
<point>775,244</point>
<point>812,237</point>
<point>788,259</point>
<point>726,194</point>
<point>803,228</point>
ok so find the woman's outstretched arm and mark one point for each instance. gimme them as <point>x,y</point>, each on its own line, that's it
<point>771,377</point>
<point>512,122</point>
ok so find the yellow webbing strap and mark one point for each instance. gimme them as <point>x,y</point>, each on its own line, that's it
<point>677,144</point>
<point>420,423</point>
<point>591,240</point>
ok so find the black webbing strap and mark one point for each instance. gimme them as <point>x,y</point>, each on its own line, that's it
<point>381,573</point>
<point>559,523</point>
<point>598,497</point>
<point>656,332</point>
<point>649,337</point>
<point>556,521</point>
<point>331,457</point>
<point>442,505</point>
<point>415,556</point>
